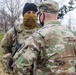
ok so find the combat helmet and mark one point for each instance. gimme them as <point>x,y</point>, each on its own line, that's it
<point>48,6</point>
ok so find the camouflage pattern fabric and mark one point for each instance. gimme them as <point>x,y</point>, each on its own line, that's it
<point>8,43</point>
<point>49,6</point>
<point>49,51</point>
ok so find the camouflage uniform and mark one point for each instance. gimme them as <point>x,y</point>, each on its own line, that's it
<point>8,42</point>
<point>49,51</point>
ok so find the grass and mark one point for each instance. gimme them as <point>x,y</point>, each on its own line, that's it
<point>1,36</point>
<point>1,72</point>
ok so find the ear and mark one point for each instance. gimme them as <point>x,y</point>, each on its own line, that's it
<point>41,18</point>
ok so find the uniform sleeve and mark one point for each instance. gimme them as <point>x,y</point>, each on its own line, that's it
<point>25,61</point>
<point>6,48</point>
<point>6,43</point>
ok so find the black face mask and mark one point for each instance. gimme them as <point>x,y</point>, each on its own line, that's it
<point>42,22</point>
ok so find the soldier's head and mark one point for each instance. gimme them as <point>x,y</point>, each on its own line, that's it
<point>29,16</point>
<point>48,11</point>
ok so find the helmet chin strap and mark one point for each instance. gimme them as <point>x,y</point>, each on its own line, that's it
<point>42,22</point>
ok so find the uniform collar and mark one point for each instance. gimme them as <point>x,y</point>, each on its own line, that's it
<point>53,22</point>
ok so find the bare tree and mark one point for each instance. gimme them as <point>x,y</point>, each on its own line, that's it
<point>3,19</point>
<point>12,9</point>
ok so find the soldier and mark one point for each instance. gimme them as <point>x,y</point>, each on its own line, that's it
<point>49,51</point>
<point>19,33</point>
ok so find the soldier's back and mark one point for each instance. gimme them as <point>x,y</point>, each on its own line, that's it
<point>59,49</point>
<point>56,49</point>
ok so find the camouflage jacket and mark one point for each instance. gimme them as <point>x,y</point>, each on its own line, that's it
<point>8,42</point>
<point>49,51</point>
